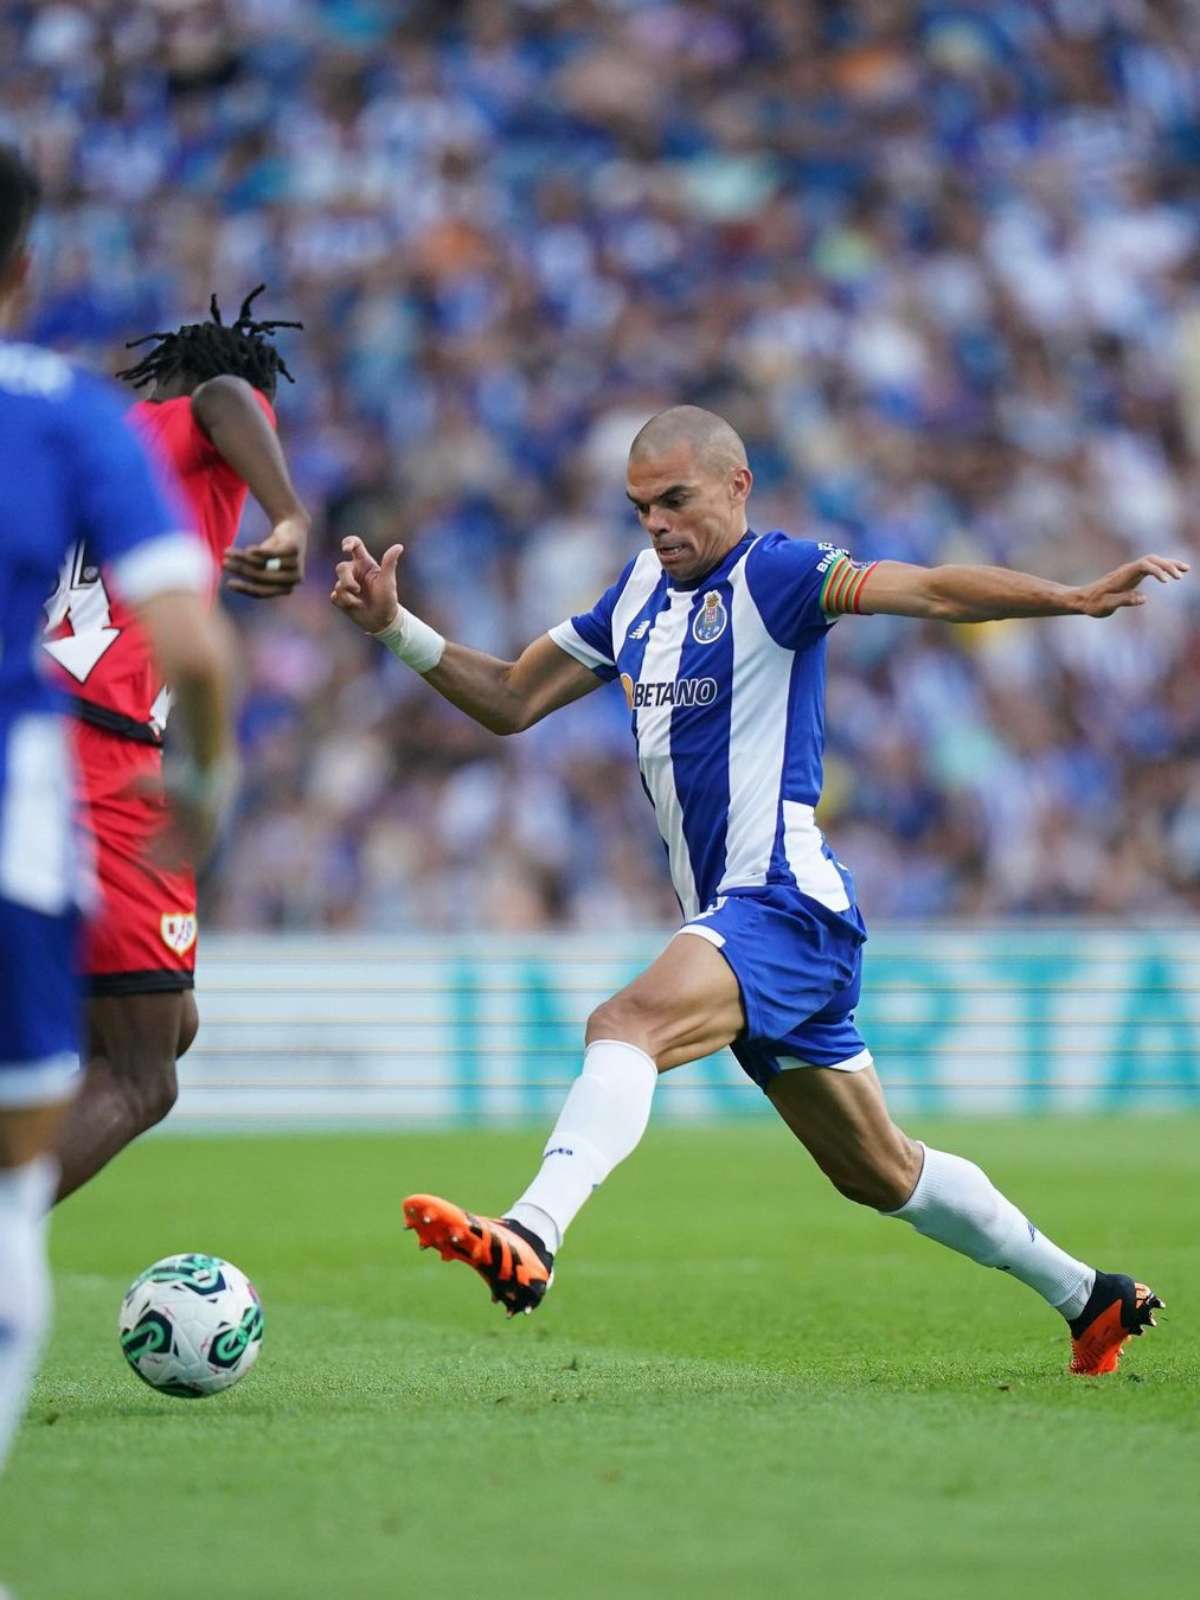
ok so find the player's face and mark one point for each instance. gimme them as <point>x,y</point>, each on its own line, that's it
<point>693,514</point>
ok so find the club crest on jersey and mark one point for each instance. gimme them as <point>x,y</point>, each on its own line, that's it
<point>179,931</point>
<point>711,620</point>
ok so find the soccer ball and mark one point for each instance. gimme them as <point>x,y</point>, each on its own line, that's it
<point>191,1325</point>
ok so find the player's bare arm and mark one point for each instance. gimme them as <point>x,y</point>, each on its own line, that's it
<point>510,696</point>
<point>225,408</point>
<point>992,594</point>
<point>503,696</point>
<point>192,655</point>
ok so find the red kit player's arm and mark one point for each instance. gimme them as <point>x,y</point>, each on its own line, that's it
<point>228,412</point>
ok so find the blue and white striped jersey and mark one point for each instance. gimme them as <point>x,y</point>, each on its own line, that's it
<point>725,680</point>
<point>71,473</point>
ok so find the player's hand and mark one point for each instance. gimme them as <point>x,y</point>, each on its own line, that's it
<point>273,567</point>
<point>193,803</point>
<point>365,588</point>
<point>198,799</point>
<point>1120,588</point>
<point>187,839</point>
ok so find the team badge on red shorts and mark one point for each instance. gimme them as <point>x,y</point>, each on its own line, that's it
<point>179,931</point>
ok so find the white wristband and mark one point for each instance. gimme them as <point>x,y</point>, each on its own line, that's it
<point>416,644</point>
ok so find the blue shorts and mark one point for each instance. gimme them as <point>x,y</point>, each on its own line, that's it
<point>39,1006</point>
<point>799,967</point>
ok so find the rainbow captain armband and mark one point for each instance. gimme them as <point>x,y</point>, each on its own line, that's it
<point>843,585</point>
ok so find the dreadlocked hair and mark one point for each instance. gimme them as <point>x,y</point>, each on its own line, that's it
<point>210,349</point>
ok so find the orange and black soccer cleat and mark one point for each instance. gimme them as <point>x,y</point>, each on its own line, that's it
<point>1117,1310</point>
<point>512,1261</point>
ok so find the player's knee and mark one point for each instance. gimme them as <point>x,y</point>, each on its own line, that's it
<point>627,1018</point>
<point>153,1093</point>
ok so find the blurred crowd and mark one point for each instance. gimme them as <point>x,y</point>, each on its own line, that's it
<point>938,264</point>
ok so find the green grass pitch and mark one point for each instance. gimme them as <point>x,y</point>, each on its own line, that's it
<point>740,1385</point>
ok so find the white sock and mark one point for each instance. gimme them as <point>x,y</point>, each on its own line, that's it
<point>602,1119</point>
<point>24,1284</point>
<point>956,1204</point>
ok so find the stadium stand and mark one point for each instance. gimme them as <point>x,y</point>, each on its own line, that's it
<point>937,263</point>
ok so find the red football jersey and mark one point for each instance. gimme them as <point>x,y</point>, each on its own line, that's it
<point>103,657</point>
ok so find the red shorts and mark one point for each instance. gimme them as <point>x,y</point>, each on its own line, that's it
<point>141,936</point>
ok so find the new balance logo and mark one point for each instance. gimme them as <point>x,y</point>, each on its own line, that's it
<point>558,1150</point>
<point>640,632</point>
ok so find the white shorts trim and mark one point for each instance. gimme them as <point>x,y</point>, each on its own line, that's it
<point>864,1058</point>
<point>701,932</point>
<point>38,1083</point>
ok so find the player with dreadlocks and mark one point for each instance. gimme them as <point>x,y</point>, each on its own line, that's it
<point>209,418</point>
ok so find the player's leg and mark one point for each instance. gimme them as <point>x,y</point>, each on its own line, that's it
<point>684,1006</point>
<point>138,959</point>
<point>26,1182</point>
<point>842,1120</point>
<point>134,1041</point>
<point>39,1068</point>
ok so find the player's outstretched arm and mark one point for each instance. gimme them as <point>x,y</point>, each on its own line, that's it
<point>991,594</point>
<point>503,696</point>
<point>226,410</point>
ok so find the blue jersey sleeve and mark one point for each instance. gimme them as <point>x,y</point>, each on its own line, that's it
<point>801,588</point>
<point>588,636</point>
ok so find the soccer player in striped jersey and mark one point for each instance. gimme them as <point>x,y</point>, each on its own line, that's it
<point>69,470</point>
<point>717,635</point>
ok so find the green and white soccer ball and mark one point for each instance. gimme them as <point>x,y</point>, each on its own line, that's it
<point>191,1325</point>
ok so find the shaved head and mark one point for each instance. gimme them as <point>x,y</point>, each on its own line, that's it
<point>688,480</point>
<point>716,446</point>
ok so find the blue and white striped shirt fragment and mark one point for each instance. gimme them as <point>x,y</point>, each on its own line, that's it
<point>725,681</point>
